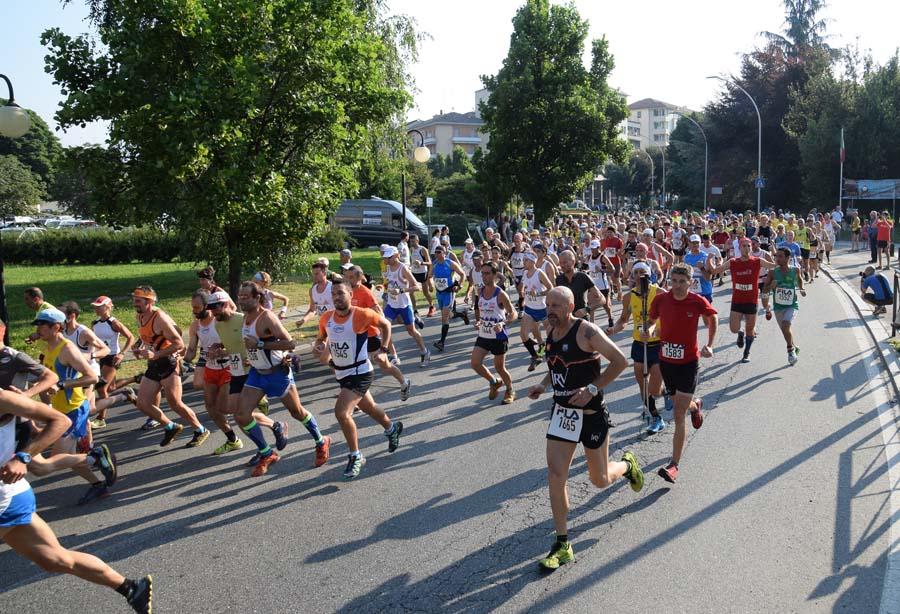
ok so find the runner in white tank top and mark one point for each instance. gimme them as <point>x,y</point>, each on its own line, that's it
<point>320,299</point>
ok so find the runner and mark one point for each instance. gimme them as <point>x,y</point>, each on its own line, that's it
<point>785,281</point>
<point>267,341</point>
<point>517,264</point>
<point>612,248</point>
<point>399,287</point>
<point>645,344</point>
<point>23,530</point>
<point>494,311</point>
<point>344,334</point>
<point>264,280</point>
<point>678,312</point>
<point>421,270</point>
<point>580,284</point>
<point>108,329</point>
<point>599,270</point>
<point>757,252</point>
<point>319,294</point>
<point>446,285</point>
<point>161,343</point>
<point>745,270</point>
<point>578,413</point>
<point>535,285</point>
<point>701,265</point>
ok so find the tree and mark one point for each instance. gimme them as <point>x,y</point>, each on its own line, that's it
<point>242,122</point>
<point>38,149</point>
<point>803,29</point>
<point>551,120</point>
<point>685,156</point>
<point>20,189</point>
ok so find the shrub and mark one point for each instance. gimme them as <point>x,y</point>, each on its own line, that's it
<point>95,246</point>
<point>332,239</point>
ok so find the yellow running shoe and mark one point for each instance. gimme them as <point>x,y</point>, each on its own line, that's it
<point>560,554</point>
<point>494,389</point>
<point>228,446</point>
<point>635,474</point>
<point>263,406</point>
<point>509,397</point>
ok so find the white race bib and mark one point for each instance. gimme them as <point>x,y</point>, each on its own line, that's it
<point>743,287</point>
<point>236,365</point>
<point>695,285</point>
<point>784,296</point>
<point>441,283</point>
<point>610,252</point>
<point>673,351</point>
<point>566,423</point>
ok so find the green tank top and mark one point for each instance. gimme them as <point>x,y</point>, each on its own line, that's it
<point>785,289</point>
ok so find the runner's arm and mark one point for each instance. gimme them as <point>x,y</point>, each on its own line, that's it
<point>411,284</point>
<point>123,330</point>
<point>193,340</point>
<point>384,327</point>
<point>712,324</point>
<point>100,349</point>
<point>71,357</point>
<point>55,424</point>
<point>306,317</point>
<point>285,342</point>
<point>512,314</point>
<point>619,326</point>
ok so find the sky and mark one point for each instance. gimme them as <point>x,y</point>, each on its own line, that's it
<point>662,50</point>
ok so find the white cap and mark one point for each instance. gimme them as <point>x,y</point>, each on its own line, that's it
<point>648,231</point>
<point>389,251</point>
<point>469,240</point>
<point>530,256</point>
<point>694,238</point>
<point>218,297</point>
<point>595,244</point>
<point>640,266</point>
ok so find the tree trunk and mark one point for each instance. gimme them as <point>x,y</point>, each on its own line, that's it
<point>233,246</point>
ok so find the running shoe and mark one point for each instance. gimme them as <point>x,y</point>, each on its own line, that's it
<point>254,460</point>
<point>140,597</point>
<point>322,451</point>
<point>533,365</point>
<point>541,348</point>
<point>494,389</point>
<point>560,554</point>
<point>669,473</point>
<point>281,434</point>
<point>669,404</point>
<point>170,434</point>
<point>465,317</point>
<point>263,406</point>
<point>395,360</point>
<point>96,491</point>
<point>198,439</point>
<point>98,423</point>
<point>130,395</point>
<point>746,357</point>
<point>425,360</point>
<point>354,466</point>
<point>228,446</point>
<point>697,415</point>
<point>439,345</point>
<point>262,467</point>
<point>635,475</point>
<point>792,356</point>
<point>149,425</point>
<point>404,389</point>
<point>611,323</point>
<point>105,461</point>
<point>740,339</point>
<point>656,425</point>
<point>509,397</point>
<point>768,314</point>
<point>419,323</point>
<point>394,436</point>
<point>430,311</point>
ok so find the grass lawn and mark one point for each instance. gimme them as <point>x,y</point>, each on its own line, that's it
<point>173,282</point>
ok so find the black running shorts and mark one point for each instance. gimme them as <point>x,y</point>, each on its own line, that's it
<point>680,377</point>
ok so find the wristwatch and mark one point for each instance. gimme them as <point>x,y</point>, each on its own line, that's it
<point>593,390</point>
<point>24,457</point>
<point>260,343</point>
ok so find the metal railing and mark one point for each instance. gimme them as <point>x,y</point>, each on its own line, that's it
<point>894,324</point>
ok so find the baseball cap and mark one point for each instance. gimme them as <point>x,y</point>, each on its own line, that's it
<point>640,266</point>
<point>694,239</point>
<point>469,240</point>
<point>322,260</point>
<point>101,300</point>
<point>476,253</point>
<point>595,244</point>
<point>389,252</point>
<point>648,231</point>
<point>218,298</point>
<point>530,256</point>
<point>49,316</point>
<point>347,266</point>
<point>346,252</point>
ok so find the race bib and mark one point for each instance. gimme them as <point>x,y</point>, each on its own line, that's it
<point>236,365</point>
<point>695,285</point>
<point>487,328</point>
<point>253,355</point>
<point>320,309</point>
<point>673,351</point>
<point>441,283</point>
<point>610,252</point>
<point>743,287</point>
<point>339,349</point>
<point>566,423</point>
<point>784,296</point>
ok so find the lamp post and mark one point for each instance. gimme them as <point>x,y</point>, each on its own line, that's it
<point>652,172</point>
<point>705,154</point>
<point>420,154</point>
<point>759,148</point>
<point>14,122</point>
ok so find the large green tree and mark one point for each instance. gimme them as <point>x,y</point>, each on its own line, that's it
<point>552,121</point>
<point>243,122</point>
<point>20,189</point>
<point>38,149</point>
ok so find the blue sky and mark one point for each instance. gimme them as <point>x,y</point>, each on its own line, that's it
<point>663,49</point>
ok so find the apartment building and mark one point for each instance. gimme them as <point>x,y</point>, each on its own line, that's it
<point>650,122</point>
<point>445,131</point>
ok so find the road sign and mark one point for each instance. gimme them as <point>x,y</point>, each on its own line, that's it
<point>760,182</point>
<point>429,202</point>
<point>717,191</point>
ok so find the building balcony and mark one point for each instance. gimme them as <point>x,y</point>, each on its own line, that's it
<point>467,140</point>
<point>429,140</point>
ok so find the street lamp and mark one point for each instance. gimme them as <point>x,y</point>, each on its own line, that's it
<point>759,149</point>
<point>652,171</point>
<point>14,122</point>
<point>421,154</point>
<point>705,153</point>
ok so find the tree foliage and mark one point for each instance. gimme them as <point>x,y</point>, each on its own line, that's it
<point>244,121</point>
<point>551,120</point>
<point>20,189</point>
<point>38,149</point>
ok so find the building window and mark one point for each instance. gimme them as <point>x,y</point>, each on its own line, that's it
<point>456,131</point>
<point>659,137</point>
<point>639,114</point>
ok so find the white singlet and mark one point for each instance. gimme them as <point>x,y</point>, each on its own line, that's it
<point>260,358</point>
<point>534,289</point>
<point>397,281</point>
<point>207,336</point>
<point>322,300</point>
<point>105,333</point>
<point>491,314</point>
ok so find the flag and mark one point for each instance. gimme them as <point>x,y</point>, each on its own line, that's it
<point>843,149</point>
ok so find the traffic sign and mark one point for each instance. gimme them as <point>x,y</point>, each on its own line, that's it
<point>716,191</point>
<point>429,202</point>
<point>760,182</point>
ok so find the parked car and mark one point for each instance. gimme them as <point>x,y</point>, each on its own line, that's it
<point>373,221</point>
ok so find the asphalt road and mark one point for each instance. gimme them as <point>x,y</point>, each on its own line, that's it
<point>782,504</point>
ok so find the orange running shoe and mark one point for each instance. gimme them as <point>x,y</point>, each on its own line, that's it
<point>322,451</point>
<point>262,467</point>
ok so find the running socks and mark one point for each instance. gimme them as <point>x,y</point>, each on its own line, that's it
<point>254,432</point>
<point>312,426</point>
<point>125,588</point>
<point>445,328</point>
<point>530,346</point>
<point>562,539</point>
<point>748,341</point>
<point>651,405</point>
<point>391,429</point>
<point>231,436</point>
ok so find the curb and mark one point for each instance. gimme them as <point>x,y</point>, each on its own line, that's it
<point>889,357</point>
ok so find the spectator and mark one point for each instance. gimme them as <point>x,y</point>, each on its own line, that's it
<point>884,226</point>
<point>873,237</point>
<point>855,230</point>
<point>876,290</point>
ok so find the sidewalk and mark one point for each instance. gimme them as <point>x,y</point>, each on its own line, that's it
<point>844,270</point>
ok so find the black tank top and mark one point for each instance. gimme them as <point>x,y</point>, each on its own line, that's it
<point>572,368</point>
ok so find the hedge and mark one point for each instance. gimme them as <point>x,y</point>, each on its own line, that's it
<point>95,246</point>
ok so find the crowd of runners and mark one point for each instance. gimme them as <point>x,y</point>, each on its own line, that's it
<point>569,287</point>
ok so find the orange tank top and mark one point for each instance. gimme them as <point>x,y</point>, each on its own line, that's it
<point>150,338</point>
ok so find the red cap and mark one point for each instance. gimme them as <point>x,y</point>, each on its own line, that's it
<point>102,300</point>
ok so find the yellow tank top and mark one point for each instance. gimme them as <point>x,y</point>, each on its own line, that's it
<point>636,307</point>
<point>65,400</point>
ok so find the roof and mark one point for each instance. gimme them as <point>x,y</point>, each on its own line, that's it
<point>651,103</point>
<point>471,118</point>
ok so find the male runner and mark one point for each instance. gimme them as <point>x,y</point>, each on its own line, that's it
<point>701,264</point>
<point>534,285</point>
<point>399,287</point>
<point>267,341</point>
<point>420,267</point>
<point>612,248</point>
<point>599,270</point>
<point>161,343</point>
<point>580,284</point>
<point>344,333</point>
<point>757,251</point>
<point>678,312</point>
<point>517,264</point>
<point>494,311</point>
<point>446,286</point>
<point>785,281</point>
<point>319,294</point>
<point>578,413</point>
